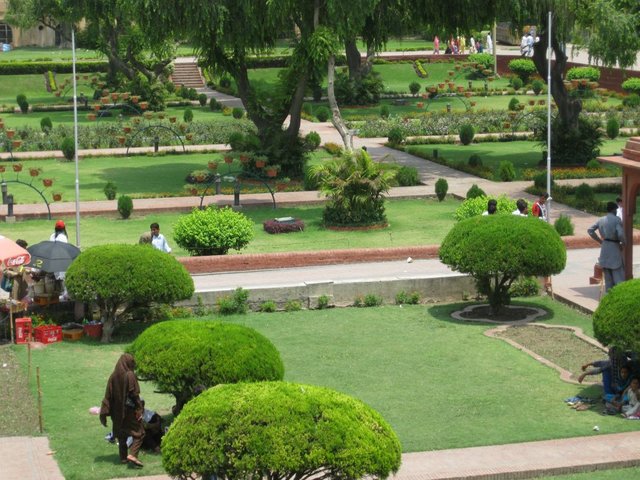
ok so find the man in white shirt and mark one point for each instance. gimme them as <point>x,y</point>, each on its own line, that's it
<point>619,211</point>
<point>522,209</point>
<point>157,239</point>
<point>489,43</point>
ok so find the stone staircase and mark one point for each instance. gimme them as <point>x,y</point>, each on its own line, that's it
<point>187,74</point>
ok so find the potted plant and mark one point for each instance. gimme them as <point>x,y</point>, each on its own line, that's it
<point>17,143</point>
<point>473,104</point>
<point>467,94</point>
<point>34,172</point>
<point>212,166</point>
<point>17,167</point>
<point>541,102</point>
<point>189,136</point>
<point>460,88</point>
<point>420,104</point>
<point>228,158</point>
<point>57,196</point>
<point>172,119</point>
<point>261,161</point>
<point>161,115</point>
<point>272,170</point>
<point>2,169</point>
<point>10,133</point>
<point>47,182</point>
<point>244,157</point>
<point>532,102</point>
<point>144,105</point>
<point>91,117</point>
<point>1,124</point>
<point>115,96</point>
<point>126,129</point>
<point>125,96</point>
<point>148,115</point>
<point>441,86</point>
<point>135,99</point>
<point>122,140</point>
<point>104,100</point>
<point>96,107</point>
<point>282,183</point>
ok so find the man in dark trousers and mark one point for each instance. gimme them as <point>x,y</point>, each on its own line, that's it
<point>611,239</point>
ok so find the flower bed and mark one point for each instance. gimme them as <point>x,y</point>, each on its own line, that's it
<point>283,225</point>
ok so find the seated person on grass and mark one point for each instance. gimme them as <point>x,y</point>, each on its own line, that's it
<point>631,400</point>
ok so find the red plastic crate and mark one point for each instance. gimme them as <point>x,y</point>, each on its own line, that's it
<point>48,333</point>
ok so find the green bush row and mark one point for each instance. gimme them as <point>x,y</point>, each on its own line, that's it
<point>27,68</point>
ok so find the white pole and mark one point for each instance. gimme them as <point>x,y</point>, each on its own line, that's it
<point>549,51</point>
<point>75,134</point>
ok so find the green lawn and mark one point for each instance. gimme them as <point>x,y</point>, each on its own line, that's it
<point>411,222</point>
<point>441,384</point>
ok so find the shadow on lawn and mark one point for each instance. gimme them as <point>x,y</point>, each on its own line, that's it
<point>443,312</point>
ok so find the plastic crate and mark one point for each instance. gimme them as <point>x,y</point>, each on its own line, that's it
<point>48,333</point>
<point>23,330</point>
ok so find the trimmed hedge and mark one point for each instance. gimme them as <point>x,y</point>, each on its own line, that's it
<point>273,226</point>
<point>279,430</point>
<point>616,320</point>
<point>27,68</point>
<point>580,73</point>
<point>183,357</point>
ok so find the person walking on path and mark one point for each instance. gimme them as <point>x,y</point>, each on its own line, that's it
<point>611,239</point>
<point>489,43</point>
<point>122,403</point>
<point>436,45</point>
<point>158,240</point>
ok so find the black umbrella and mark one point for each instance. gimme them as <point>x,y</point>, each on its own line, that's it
<point>52,256</point>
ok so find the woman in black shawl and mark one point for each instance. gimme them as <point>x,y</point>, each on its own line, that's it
<point>122,403</point>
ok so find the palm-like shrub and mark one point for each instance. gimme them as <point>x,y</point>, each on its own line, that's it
<point>355,185</point>
<point>183,357</point>
<point>213,231</point>
<point>279,431</point>
<point>616,320</point>
<point>497,249</point>
<point>119,278</point>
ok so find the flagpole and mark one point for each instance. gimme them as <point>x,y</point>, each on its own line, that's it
<point>75,134</point>
<point>549,52</point>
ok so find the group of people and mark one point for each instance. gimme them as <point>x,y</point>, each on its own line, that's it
<point>539,208</point>
<point>620,382</point>
<point>458,45</point>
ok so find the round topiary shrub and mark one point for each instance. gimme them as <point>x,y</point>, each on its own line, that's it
<point>312,140</point>
<point>594,165</point>
<point>21,100</point>
<point>384,111</point>
<point>110,190</point>
<point>475,161</point>
<point>395,136</point>
<point>466,134</point>
<point>591,74</point>
<point>523,67</point>
<point>563,225</point>
<point>516,83</point>
<point>585,196</point>
<point>68,148</point>
<point>119,278</point>
<point>213,231</point>
<point>214,105</point>
<point>323,114</point>
<point>125,206</point>
<point>472,207</point>
<point>442,187</point>
<point>46,124</point>
<point>540,181</point>
<point>497,249</point>
<point>187,116</point>
<point>475,191</point>
<point>237,113</point>
<point>506,171</point>
<point>279,430</point>
<point>616,320</point>
<point>407,176</point>
<point>414,88</point>
<point>537,86</point>
<point>202,99</point>
<point>514,104</point>
<point>632,85</point>
<point>183,357</point>
<point>613,127</point>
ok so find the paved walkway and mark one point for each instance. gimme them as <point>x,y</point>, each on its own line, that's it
<point>30,458</point>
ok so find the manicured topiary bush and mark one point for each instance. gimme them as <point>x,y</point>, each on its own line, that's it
<point>486,59</point>
<point>414,88</point>
<point>125,206</point>
<point>22,102</point>
<point>202,99</point>
<point>585,196</point>
<point>613,127</point>
<point>632,85</point>
<point>466,134</point>
<point>213,231</point>
<point>475,161</point>
<point>187,116</point>
<point>537,86</point>
<point>182,357</point>
<point>442,187</point>
<point>506,171</point>
<point>312,140</point>
<point>472,207</point>
<point>616,320</point>
<point>237,113</point>
<point>279,430</point>
<point>563,225</point>
<point>323,114</point>
<point>396,136</point>
<point>497,249</point>
<point>68,148</point>
<point>119,278</point>
<point>46,124</point>
<point>523,67</point>
<point>516,83</point>
<point>584,73</point>
<point>407,176</point>
<point>514,104</point>
<point>631,101</point>
<point>475,191</point>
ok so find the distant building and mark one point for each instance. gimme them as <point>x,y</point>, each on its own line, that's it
<point>39,36</point>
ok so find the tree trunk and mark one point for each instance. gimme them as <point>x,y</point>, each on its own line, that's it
<point>354,59</point>
<point>336,118</point>
<point>108,325</point>
<point>568,108</point>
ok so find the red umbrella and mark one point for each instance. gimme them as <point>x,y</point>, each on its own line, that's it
<point>12,254</point>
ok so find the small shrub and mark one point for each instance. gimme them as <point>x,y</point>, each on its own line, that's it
<point>404,298</point>
<point>332,148</point>
<point>632,85</point>
<point>475,161</point>
<point>234,303</point>
<point>540,181</point>
<point>384,111</point>
<point>516,83</point>
<point>312,140</point>
<point>414,88</point>
<point>475,191</point>
<point>323,302</point>
<point>407,176</point>
<point>631,101</point>
<point>307,108</point>
<point>584,73</point>
<point>372,300</point>
<point>585,196</point>
<point>358,302</point>
<point>523,68</point>
<point>395,136</point>
<point>563,225</point>
<point>237,141</point>
<point>46,124</point>
<point>125,206</point>
<point>188,115</point>
<point>593,164</point>
<point>22,102</point>
<point>202,99</point>
<point>323,114</point>
<point>486,59</point>
<point>110,190</point>
<point>466,134</point>
<point>293,306</point>
<point>442,186</point>
<point>537,86</point>
<point>237,113</point>
<point>214,105</point>
<point>68,148</point>
<point>273,226</point>
<point>514,104</point>
<point>268,306</point>
<point>613,127</point>
<point>525,287</point>
<point>225,82</point>
<point>506,171</point>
